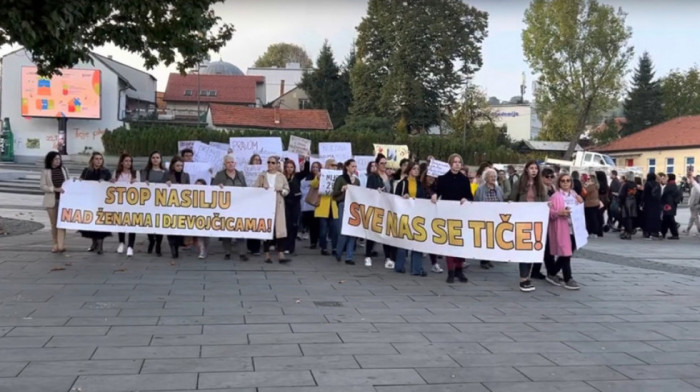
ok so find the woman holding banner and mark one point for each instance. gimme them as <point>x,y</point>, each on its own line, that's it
<point>454,186</point>
<point>561,235</point>
<point>154,172</point>
<point>529,188</point>
<point>127,175</point>
<point>381,181</point>
<point>252,244</point>
<point>292,202</point>
<point>96,171</point>
<point>52,178</point>
<point>310,222</point>
<point>410,187</point>
<point>488,191</point>
<point>327,213</point>
<point>230,177</point>
<point>176,175</point>
<point>345,243</point>
<point>273,180</point>
<point>428,185</point>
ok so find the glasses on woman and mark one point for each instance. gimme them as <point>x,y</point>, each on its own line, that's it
<point>271,162</point>
<point>549,176</point>
<point>565,180</point>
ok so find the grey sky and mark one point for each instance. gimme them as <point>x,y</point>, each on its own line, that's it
<point>667,30</point>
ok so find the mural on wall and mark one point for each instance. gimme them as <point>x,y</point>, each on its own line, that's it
<point>33,144</point>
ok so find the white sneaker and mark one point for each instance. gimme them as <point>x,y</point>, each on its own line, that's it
<point>129,252</point>
<point>202,255</point>
<point>368,262</point>
<point>436,268</point>
<point>389,264</point>
<point>120,248</point>
<point>286,252</point>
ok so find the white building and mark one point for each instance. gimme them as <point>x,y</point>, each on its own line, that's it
<point>520,120</point>
<point>122,89</point>
<point>279,81</point>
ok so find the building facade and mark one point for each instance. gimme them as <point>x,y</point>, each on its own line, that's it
<point>279,81</point>
<point>520,120</point>
<point>121,88</point>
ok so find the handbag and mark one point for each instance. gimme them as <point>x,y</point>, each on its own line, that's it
<point>313,198</point>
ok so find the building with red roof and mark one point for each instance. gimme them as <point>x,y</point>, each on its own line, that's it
<point>223,116</point>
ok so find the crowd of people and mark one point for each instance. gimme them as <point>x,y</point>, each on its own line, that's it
<point>302,212</point>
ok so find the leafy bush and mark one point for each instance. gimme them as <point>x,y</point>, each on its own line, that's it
<point>141,140</point>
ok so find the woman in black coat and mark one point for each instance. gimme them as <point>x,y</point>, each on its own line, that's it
<point>96,171</point>
<point>651,200</point>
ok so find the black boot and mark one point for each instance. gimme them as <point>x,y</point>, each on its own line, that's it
<point>93,246</point>
<point>459,274</point>
<point>151,243</point>
<point>173,251</point>
<point>100,242</point>
<point>450,276</point>
<point>159,241</point>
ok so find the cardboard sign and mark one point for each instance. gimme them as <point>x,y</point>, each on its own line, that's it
<point>244,147</point>
<point>437,168</point>
<point>183,144</point>
<point>327,181</point>
<point>578,222</point>
<point>220,146</point>
<point>199,171</point>
<point>341,152</point>
<point>299,145</point>
<point>251,172</point>
<point>362,161</point>
<point>393,153</point>
<point>211,155</point>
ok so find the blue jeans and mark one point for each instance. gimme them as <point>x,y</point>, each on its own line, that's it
<point>416,261</point>
<point>345,243</point>
<point>327,227</point>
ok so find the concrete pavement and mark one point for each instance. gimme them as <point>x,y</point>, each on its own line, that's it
<point>78,321</point>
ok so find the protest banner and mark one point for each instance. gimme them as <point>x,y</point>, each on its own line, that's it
<point>251,172</point>
<point>341,152</point>
<point>299,145</point>
<point>199,171</point>
<point>578,222</point>
<point>511,232</point>
<point>191,210</point>
<point>183,144</point>
<point>327,180</point>
<point>211,155</point>
<point>393,153</point>
<point>437,168</point>
<point>220,146</point>
<point>362,161</point>
<point>244,147</point>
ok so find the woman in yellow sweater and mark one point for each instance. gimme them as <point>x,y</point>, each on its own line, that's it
<point>326,212</point>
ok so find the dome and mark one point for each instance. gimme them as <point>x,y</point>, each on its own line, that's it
<point>221,68</point>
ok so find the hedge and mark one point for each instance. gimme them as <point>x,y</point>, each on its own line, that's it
<point>141,140</point>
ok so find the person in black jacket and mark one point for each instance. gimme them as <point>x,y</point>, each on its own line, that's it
<point>578,185</point>
<point>651,200</point>
<point>292,202</point>
<point>96,171</point>
<point>669,202</point>
<point>454,185</point>
<point>629,210</point>
<point>381,181</point>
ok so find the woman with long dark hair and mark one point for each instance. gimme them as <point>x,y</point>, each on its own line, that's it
<point>154,172</point>
<point>52,178</point>
<point>176,175</point>
<point>345,243</point>
<point>96,171</point>
<point>651,204</point>
<point>292,203</point>
<point>381,181</point>
<point>529,188</point>
<point>410,188</point>
<point>308,220</point>
<point>127,175</point>
<point>604,196</point>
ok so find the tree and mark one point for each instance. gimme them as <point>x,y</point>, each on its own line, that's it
<point>278,55</point>
<point>580,50</point>
<point>61,34</point>
<point>643,103</point>
<point>413,58</point>
<point>327,88</point>
<point>494,101</point>
<point>680,93</point>
<point>466,116</point>
<point>606,132</point>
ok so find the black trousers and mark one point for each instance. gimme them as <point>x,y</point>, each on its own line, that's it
<point>292,212</point>
<point>313,224</point>
<point>132,239</point>
<point>563,263</point>
<point>592,224</point>
<point>668,222</point>
<point>253,246</point>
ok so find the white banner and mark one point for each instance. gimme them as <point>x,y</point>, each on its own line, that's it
<point>299,145</point>
<point>327,180</point>
<point>341,152</point>
<point>183,144</point>
<point>511,232</point>
<point>211,155</point>
<point>192,210</point>
<point>437,168</point>
<point>199,171</point>
<point>578,222</point>
<point>244,147</point>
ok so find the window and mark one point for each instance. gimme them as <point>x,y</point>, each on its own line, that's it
<point>212,93</point>
<point>652,165</point>
<point>587,157</point>
<point>629,162</point>
<point>304,104</point>
<point>188,93</point>
<point>689,161</point>
<point>203,93</point>
<point>669,165</point>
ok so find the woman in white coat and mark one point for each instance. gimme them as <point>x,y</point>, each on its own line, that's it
<point>275,181</point>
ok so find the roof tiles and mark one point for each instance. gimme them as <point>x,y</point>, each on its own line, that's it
<point>676,133</point>
<point>269,118</point>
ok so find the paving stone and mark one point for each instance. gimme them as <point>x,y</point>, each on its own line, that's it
<point>281,338</point>
<point>45,354</point>
<point>94,341</point>
<point>347,348</point>
<point>611,347</point>
<point>256,379</point>
<point>441,348</point>
<point>552,386</point>
<point>570,373</point>
<point>33,321</point>
<point>37,384</point>
<point>657,358</point>
<point>367,377</point>
<point>471,387</point>
<point>381,337</point>
<point>643,386</point>
<point>675,345</point>
<point>349,388</point>
<point>471,360</point>
<point>28,341</point>
<point>251,350</point>
<point>420,360</point>
<point>306,362</point>
<point>562,359</point>
<point>155,330</point>
<point>471,374</point>
<point>92,321</point>
<point>199,320</point>
<point>11,369</point>
<point>198,340</point>
<point>138,382</point>
<point>57,331</point>
<point>146,352</point>
<point>197,365</point>
<point>528,347</point>
<point>653,372</point>
<point>94,367</point>
<point>336,327</point>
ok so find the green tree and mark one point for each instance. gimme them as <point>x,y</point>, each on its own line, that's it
<point>680,93</point>
<point>413,58</point>
<point>607,132</point>
<point>278,55</point>
<point>580,50</point>
<point>327,88</point>
<point>468,115</point>
<point>643,103</point>
<point>59,34</point>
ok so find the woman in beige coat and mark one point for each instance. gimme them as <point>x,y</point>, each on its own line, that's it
<point>272,179</point>
<point>52,178</point>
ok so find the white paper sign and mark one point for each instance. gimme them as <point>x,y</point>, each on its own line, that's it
<point>511,232</point>
<point>328,178</point>
<point>299,145</point>
<point>362,161</point>
<point>183,144</point>
<point>251,172</point>
<point>199,171</point>
<point>341,152</point>
<point>578,221</point>
<point>294,157</point>
<point>244,147</point>
<point>437,168</point>
<point>305,187</point>
<point>211,155</point>
<point>220,146</point>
